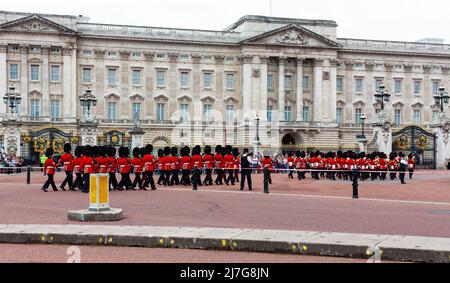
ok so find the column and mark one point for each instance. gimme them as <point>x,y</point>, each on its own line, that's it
<point>300,89</point>
<point>281,90</point>
<point>263,98</point>
<point>369,91</point>
<point>333,91</point>
<point>74,83</point>
<point>349,91</point>
<point>318,89</point>
<point>442,132</point>
<point>68,103</point>
<point>247,86</point>
<point>25,69</point>
<point>45,81</point>
<point>3,76</point>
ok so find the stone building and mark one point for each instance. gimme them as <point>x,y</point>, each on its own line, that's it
<point>308,87</point>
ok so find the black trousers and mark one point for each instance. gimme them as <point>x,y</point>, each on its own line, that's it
<point>175,180</point>
<point>68,180</point>
<point>230,177</point>
<point>166,180</point>
<point>246,173</point>
<point>208,179</point>
<point>411,173</point>
<point>78,181</point>
<point>137,180</point>
<point>162,175</point>
<point>50,182</point>
<point>402,176</point>
<point>185,180</point>
<point>149,180</point>
<point>86,180</point>
<point>125,181</point>
<point>220,177</point>
<point>113,181</point>
<point>236,175</point>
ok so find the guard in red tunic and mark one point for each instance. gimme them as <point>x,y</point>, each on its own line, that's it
<point>49,170</point>
<point>332,166</point>
<point>175,163</point>
<point>167,166</point>
<point>87,166</point>
<point>393,166</point>
<point>411,165</point>
<point>149,167</point>
<point>267,163</point>
<point>290,165</point>
<point>298,164</point>
<point>229,165</point>
<point>186,166</point>
<point>161,163</point>
<point>124,166</point>
<point>197,166</point>
<point>76,168</point>
<point>383,166</point>
<point>237,163</point>
<point>66,161</point>
<point>112,168</point>
<point>208,160</point>
<point>101,161</point>
<point>136,162</point>
<point>218,165</point>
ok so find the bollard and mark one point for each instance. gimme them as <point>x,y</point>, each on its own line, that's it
<point>99,192</point>
<point>355,183</point>
<point>266,180</point>
<point>195,178</point>
<point>28,175</point>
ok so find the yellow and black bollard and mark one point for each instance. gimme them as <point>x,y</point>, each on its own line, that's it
<point>355,183</point>
<point>28,175</point>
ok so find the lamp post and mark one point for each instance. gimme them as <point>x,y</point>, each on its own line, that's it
<point>382,96</point>
<point>441,98</point>
<point>88,100</point>
<point>257,142</point>
<point>363,123</point>
<point>12,99</point>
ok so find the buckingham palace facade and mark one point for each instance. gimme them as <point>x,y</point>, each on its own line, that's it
<point>308,88</point>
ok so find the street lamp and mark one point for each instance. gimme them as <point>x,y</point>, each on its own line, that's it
<point>441,98</point>
<point>257,143</point>
<point>88,100</point>
<point>12,99</point>
<point>382,96</point>
<point>363,123</point>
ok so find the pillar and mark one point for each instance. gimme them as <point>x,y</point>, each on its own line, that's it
<point>281,88</point>
<point>68,102</point>
<point>45,82</point>
<point>442,132</point>
<point>24,70</point>
<point>247,86</point>
<point>333,91</point>
<point>3,76</point>
<point>299,96</point>
<point>318,91</point>
<point>263,98</point>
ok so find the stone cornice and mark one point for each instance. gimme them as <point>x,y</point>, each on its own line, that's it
<point>388,67</point>
<point>173,57</point>
<point>219,59</point>
<point>124,54</point>
<point>100,53</point>
<point>408,68</point>
<point>67,51</point>
<point>196,58</point>
<point>318,62</point>
<point>282,60</point>
<point>426,69</point>
<point>247,59</point>
<point>3,48</point>
<point>264,59</point>
<point>149,55</point>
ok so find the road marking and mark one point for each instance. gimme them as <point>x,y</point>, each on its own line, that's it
<point>313,196</point>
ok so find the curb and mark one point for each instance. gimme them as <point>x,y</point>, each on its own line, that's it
<point>362,246</point>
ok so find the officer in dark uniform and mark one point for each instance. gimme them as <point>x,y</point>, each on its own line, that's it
<point>246,171</point>
<point>402,168</point>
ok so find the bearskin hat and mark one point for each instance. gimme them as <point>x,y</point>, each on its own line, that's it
<point>303,154</point>
<point>49,152</point>
<point>136,152</point>
<point>112,151</point>
<point>167,150</point>
<point>148,149</point>
<point>218,149</point>
<point>95,151</point>
<point>174,151</point>
<point>78,151</point>
<point>208,149</point>
<point>229,149</point>
<point>224,151</point>
<point>235,151</point>
<point>410,156</point>
<point>245,150</point>
<point>123,152</point>
<point>87,151</point>
<point>67,148</point>
<point>102,151</point>
<point>142,151</point>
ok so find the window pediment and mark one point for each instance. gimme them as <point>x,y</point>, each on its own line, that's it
<point>208,99</point>
<point>230,100</point>
<point>184,98</point>
<point>359,103</point>
<point>36,24</point>
<point>417,105</point>
<point>161,98</point>
<point>112,96</point>
<point>137,96</point>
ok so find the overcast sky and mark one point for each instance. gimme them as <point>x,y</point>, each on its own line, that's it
<point>403,20</point>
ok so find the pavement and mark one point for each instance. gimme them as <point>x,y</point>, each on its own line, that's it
<point>419,209</point>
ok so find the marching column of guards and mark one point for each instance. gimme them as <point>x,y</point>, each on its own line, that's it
<point>138,171</point>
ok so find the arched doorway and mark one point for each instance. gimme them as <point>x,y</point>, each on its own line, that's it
<point>159,143</point>
<point>290,142</point>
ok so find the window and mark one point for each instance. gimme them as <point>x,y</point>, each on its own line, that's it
<point>136,55</point>
<point>207,58</point>
<point>136,110</point>
<point>161,56</point>
<point>230,81</point>
<point>54,73</point>
<point>269,113</point>
<point>306,115</point>
<point>87,52</point>
<point>55,50</point>
<point>112,53</point>
<point>398,86</point>
<point>112,111</point>
<point>230,114</point>
<point>398,117</point>
<point>417,87</point>
<point>160,107</point>
<point>207,112</point>
<point>339,85</point>
<point>137,78</point>
<point>35,49</point>
<point>54,109</point>
<point>435,115</point>
<point>359,65</point>
<point>436,87</point>
<point>358,114</point>
<point>34,72</point>
<point>378,83</point>
<point>112,80</point>
<point>35,107</point>
<point>184,111</point>
<point>87,75</point>
<point>358,86</point>
<point>339,116</point>
<point>184,79</point>
<point>161,78</point>
<point>288,82</point>
<point>14,72</point>
<point>416,116</point>
<point>207,80</point>
<point>305,83</point>
<point>287,113</point>
<point>184,57</point>
<point>270,82</point>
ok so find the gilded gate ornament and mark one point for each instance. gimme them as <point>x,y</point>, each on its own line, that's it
<point>58,145</point>
<point>41,145</point>
<point>422,141</point>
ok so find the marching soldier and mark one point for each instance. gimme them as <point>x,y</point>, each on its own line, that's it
<point>161,163</point>
<point>175,163</point>
<point>218,165</point>
<point>167,166</point>
<point>136,162</point>
<point>87,166</point>
<point>246,171</point>
<point>197,166</point>
<point>290,165</point>
<point>112,168</point>
<point>66,161</point>
<point>267,163</point>
<point>237,162</point>
<point>76,168</point>
<point>186,163</point>
<point>393,166</point>
<point>49,170</point>
<point>149,167</point>
<point>102,161</point>
<point>229,164</point>
<point>411,165</point>
<point>123,163</point>
<point>209,163</point>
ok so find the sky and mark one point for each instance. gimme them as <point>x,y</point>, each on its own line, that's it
<point>402,20</point>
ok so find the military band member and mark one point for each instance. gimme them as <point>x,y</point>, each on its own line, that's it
<point>175,163</point>
<point>149,167</point>
<point>290,165</point>
<point>393,166</point>
<point>102,161</point>
<point>197,165</point>
<point>267,163</point>
<point>167,166</point>
<point>66,161</point>
<point>49,171</point>
<point>161,164</point>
